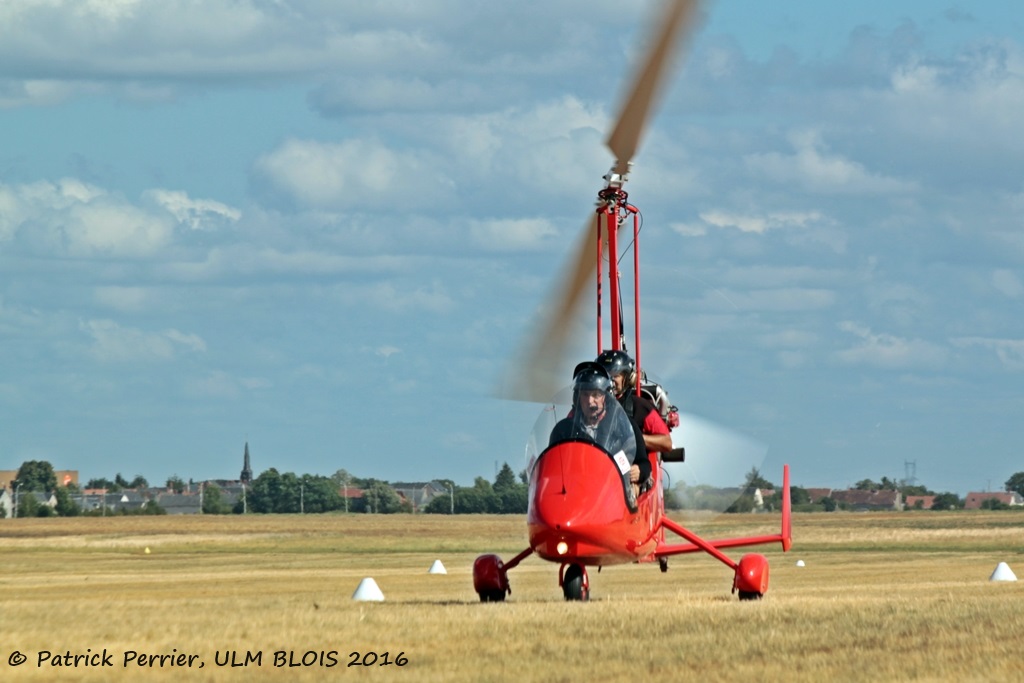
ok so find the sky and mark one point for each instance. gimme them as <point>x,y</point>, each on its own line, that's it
<point>324,227</point>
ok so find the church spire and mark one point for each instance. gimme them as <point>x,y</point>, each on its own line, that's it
<point>246,469</point>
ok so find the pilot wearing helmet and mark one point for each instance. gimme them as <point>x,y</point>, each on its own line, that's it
<point>622,370</point>
<point>596,417</point>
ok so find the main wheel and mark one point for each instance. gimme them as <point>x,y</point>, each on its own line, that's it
<point>750,595</point>
<point>493,595</point>
<point>489,579</point>
<point>574,583</point>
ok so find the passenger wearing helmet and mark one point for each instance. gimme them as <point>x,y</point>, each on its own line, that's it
<point>596,417</point>
<point>622,370</point>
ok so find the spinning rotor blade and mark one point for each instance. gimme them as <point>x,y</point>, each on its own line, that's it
<point>539,374</point>
<point>625,137</point>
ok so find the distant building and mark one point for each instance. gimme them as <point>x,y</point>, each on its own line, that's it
<point>862,501</point>
<point>975,499</point>
<point>180,503</point>
<point>8,500</point>
<point>246,477</point>
<point>816,494</point>
<point>107,502</point>
<point>761,495</point>
<point>926,502</point>
<point>419,494</point>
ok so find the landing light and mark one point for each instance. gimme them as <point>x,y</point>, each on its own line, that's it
<point>562,547</point>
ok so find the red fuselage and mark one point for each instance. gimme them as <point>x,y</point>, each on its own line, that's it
<point>578,512</point>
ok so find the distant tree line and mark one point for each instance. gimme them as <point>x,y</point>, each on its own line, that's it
<point>280,493</point>
<point>507,495</point>
<point>283,493</point>
<point>801,500</point>
<point>742,499</point>
<point>38,476</point>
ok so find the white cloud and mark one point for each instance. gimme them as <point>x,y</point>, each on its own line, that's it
<point>219,384</point>
<point>34,92</point>
<point>125,299</point>
<point>197,214</point>
<point>391,94</point>
<point>813,169</point>
<point>114,229</point>
<point>967,100</point>
<point>793,346</point>
<point>905,304</point>
<point>112,343</point>
<point>689,229</point>
<point>770,277</point>
<point>491,162</point>
<point>791,360</point>
<point>1010,352</point>
<point>244,259</point>
<point>72,218</point>
<point>551,147</point>
<point>781,299</point>
<point>889,351</point>
<point>387,351</point>
<point>788,338</point>
<point>354,174</point>
<point>760,224</point>
<point>17,321</point>
<point>512,234</point>
<point>397,297</point>
<point>99,40</point>
<point>1007,283</point>
<point>798,228</point>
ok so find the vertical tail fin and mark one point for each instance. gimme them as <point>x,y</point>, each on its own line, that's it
<point>787,505</point>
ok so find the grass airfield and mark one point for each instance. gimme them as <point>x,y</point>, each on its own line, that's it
<point>898,596</point>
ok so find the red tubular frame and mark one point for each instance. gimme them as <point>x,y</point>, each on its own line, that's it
<point>636,287</point>
<point>600,245</point>
<point>696,543</point>
<point>619,536</point>
<point>610,212</point>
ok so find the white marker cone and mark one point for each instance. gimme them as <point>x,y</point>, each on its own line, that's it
<point>437,568</point>
<point>368,590</point>
<point>1003,573</point>
<point>800,563</point>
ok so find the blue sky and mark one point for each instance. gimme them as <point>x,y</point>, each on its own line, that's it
<point>323,228</point>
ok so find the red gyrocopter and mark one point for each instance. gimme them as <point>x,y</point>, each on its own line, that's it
<point>580,514</point>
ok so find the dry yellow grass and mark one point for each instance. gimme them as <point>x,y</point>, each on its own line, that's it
<point>886,596</point>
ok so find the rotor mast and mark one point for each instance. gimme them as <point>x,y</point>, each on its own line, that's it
<point>539,373</point>
<point>613,209</point>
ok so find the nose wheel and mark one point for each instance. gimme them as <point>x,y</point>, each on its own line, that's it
<point>575,583</point>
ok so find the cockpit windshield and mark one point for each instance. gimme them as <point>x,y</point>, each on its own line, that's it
<point>599,419</point>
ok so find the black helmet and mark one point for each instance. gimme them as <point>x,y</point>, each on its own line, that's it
<point>591,375</point>
<point>618,363</point>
